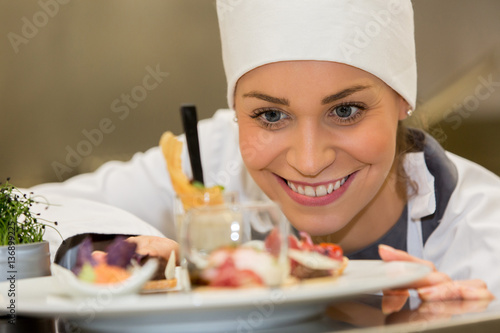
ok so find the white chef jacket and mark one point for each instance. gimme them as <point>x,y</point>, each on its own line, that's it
<point>453,220</point>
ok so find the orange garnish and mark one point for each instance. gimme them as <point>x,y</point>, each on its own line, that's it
<point>190,195</point>
<point>105,274</point>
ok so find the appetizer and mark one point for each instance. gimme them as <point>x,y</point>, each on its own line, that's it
<point>255,263</point>
<point>248,265</point>
<point>309,260</point>
<point>118,264</point>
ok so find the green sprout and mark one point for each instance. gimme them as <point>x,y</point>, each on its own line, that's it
<point>18,225</point>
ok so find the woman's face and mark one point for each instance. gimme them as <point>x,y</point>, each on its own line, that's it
<point>319,138</point>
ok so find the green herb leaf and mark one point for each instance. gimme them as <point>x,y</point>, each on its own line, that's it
<point>198,184</point>
<point>87,273</point>
<point>18,225</point>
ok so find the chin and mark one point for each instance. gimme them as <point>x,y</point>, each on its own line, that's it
<point>316,225</point>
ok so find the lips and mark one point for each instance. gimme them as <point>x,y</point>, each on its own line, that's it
<point>319,194</point>
<point>317,191</point>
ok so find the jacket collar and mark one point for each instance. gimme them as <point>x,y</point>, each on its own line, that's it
<point>436,177</point>
<point>422,203</point>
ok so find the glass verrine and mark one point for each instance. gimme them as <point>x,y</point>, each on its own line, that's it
<point>235,245</point>
<point>184,202</point>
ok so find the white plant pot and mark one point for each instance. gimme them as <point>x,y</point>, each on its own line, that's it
<point>24,261</point>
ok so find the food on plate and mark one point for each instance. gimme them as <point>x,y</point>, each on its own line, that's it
<point>255,263</point>
<point>103,273</point>
<point>191,194</point>
<point>119,263</point>
<point>164,278</point>
<point>242,266</point>
<point>309,260</point>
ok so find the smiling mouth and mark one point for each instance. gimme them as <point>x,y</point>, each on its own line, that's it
<point>317,191</point>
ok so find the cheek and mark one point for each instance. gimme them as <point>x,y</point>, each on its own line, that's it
<point>256,146</point>
<point>375,144</point>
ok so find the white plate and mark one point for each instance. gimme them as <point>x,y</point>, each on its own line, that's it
<point>69,284</point>
<point>208,310</point>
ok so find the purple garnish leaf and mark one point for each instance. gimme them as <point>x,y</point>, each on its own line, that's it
<point>120,252</point>
<point>84,255</point>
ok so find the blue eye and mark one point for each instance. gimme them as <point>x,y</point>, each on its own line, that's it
<point>346,111</point>
<point>272,116</point>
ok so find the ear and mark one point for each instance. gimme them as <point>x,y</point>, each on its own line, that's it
<point>405,110</point>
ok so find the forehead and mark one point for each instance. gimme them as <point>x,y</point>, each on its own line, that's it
<point>296,75</point>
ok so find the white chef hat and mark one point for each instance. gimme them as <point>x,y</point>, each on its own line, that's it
<point>376,36</point>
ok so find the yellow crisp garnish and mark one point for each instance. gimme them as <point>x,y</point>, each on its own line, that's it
<point>190,195</point>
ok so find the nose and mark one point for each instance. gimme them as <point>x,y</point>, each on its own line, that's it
<point>311,150</point>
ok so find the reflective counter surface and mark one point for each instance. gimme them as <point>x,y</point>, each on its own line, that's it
<point>367,313</point>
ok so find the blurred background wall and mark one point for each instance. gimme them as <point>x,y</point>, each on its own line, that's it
<point>83,82</point>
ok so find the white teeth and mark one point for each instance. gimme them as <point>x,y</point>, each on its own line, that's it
<point>309,191</point>
<point>300,190</point>
<point>319,191</point>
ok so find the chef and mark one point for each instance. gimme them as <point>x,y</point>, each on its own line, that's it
<point>317,92</point>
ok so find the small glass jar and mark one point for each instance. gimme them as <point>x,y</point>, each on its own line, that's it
<point>232,244</point>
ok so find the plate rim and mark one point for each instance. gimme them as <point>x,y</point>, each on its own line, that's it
<point>307,293</point>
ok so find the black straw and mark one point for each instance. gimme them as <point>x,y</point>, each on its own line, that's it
<point>190,123</point>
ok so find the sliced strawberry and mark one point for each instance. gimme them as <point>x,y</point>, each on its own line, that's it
<point>306,241</point>
<point>331,250</point>
<point>229,276</point>
<point>273,242</point>
<point>293,243</point>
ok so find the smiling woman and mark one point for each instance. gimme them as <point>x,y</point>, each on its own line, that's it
<point>332,138</point>
<point>320,90</point>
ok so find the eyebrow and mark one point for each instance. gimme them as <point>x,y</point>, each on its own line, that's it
<point>344,93</point>
<point>329,99</point>
<point>267,98</point>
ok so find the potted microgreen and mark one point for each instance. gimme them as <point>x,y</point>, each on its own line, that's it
<point>23,251</point>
